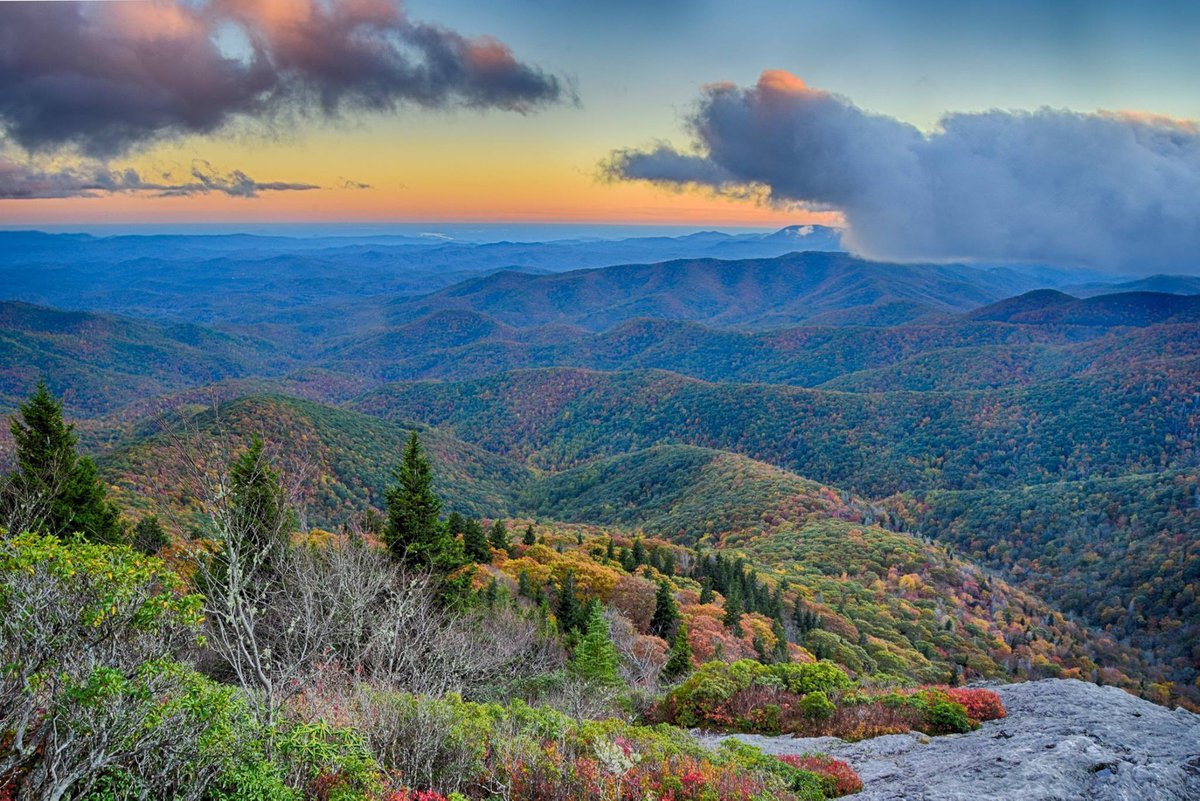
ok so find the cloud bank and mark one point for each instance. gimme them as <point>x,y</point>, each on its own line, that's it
<point>105,78</point>
<point>24,181</point>
<point>1112,190</point>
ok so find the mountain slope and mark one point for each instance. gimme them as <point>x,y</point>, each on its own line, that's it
<point>685,493</point>
<point>1100,423</point>
<point>99,362</point>
<point>343,460</point>
<point>756,293</point>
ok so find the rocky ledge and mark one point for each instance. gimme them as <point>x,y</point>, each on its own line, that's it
<point>1062,740</point>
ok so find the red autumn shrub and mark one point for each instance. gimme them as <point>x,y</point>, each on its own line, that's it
<point>980,704</point>
<point>842,778</point>
<point>415,795</point>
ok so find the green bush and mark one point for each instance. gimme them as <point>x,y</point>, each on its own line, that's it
<point>816,705</point>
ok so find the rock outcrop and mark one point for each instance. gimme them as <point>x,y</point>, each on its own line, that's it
<point>1063,740</point>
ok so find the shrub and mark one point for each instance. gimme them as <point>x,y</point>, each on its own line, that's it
<point>946,717</point>
<point>816,705</point>
<point>980,704</point>
<point>840,778</point>
<point>822,676</point>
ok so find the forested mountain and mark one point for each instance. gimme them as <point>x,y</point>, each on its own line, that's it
<point>772,406</point>
<point>341,461</point>
<point>759,293</point>
<point>100,362</point>
<point>1102,423</point>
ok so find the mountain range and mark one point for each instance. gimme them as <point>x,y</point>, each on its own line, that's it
<point>1021,424</point>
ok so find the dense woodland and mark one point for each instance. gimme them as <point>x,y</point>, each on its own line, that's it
<point>819,496</point>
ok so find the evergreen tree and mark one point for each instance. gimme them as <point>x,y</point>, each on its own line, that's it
<point>499,536</point>
<point>53,489</point>
<point>490,594</point>
<point>610,551</point>
<point>779,653</point>
<point>666,612</point>
<point>733,611</point>
<point>260,519</point>
<point>706,591</point>
<point>639,553</point>
<point>148,536</point>
<point>413,533</point>
<point>679,660</point>
<point>570,612</point>
<point>475,543</point>
<point>523,585</point>
<point>529,538</point>
<point>596,658</point>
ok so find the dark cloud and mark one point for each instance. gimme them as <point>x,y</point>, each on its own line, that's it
<point>108,77</point>
<point>26,181</point>
<point>1105,189</point>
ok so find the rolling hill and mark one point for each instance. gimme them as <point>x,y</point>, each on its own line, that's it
<point>341,460</point>
<point>1106,423</point>
<point>99,362</point>
<point>753,293</point>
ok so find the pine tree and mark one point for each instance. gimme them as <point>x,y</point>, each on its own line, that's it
<point>413,534</point>
<point>639,553</point>
<point>569,611</point>
<point>475,543</point>
<point>610,551</point>
<point>53,489</point>
<point>529,538</point>
<point>260,518</point>
<point>596,658</point>
<point>780,653</point>
<point>148,536</point>
<point>733,611</point>
<point>499,536</point>
<point>706,591</point>
<point>679,660</point>
<point>524,589</point>
<point>666,612</point>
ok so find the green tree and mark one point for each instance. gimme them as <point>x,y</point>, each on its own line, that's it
<point>414,534</point>
<point>596,658</point>
<point>529,538</point>
<point>260,518</point>
<point>666,611</point>
<point>475,543</point>
<point>499,536</point>
<point>706,590</point>
<point>733,611</point>
<point>53,489</point>
<point>569,610</point>
<point>148,536</point>
<point>679,660</point>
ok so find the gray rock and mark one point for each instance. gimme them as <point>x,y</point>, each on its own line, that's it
<point>1062,740</point>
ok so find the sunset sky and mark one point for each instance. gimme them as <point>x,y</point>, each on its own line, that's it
<point>591,78</point>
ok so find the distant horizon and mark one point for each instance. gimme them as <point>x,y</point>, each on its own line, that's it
<point>455,230</point>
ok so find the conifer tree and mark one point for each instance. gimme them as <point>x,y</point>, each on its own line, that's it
<point>569,611</point>
<point>666,612</point>
<point>148,536</point>
<point>523,585</point>
<point>706,591</point>
<point>529,538</point>
<point>596,659</point>
<point>53,489</point>
<point>499,536</point>
<point>610,551</point>
<point>733,611</point>
<point>414,534</point>
<point>679,660</point>
<point>639,553</point>
<point>475,542</point>
<point>261,520</point>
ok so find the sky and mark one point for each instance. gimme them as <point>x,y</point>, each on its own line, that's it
<point>539,110</point>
